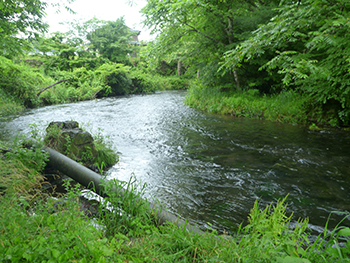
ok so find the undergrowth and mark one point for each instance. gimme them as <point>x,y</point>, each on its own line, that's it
<point>287,106</point>
<point>21,83</point>
<point>8,104</point>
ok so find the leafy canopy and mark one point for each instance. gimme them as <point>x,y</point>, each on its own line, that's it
<point>199,32</point>
<point>19,17</point>
<point>307,44</point>
<point>112,40</point>
<point>21,22</point>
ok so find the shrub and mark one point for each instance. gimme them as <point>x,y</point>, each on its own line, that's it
<point>21,81</point>
<point>8,104</point>
<point>116,79</point>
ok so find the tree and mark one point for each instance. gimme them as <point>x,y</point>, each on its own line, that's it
<point>65,51</point>
<point>19,17</point>
<point>20,23</point>
<point>199,32</point>
<point>112,40</point>
<point>307,44</point>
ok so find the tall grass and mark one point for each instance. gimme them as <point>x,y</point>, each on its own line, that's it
<point>126,213</point>
<point>287,106</point>
<point>8,105</point>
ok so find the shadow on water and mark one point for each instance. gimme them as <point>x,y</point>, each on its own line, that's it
<point>208,168</point>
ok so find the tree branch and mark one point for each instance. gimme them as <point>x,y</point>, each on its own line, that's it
<point>58,82</point>
<point>5,150</point>
<point>197,31</point>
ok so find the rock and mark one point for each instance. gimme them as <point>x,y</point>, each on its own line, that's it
<point>67,138</point>
<point>66,125</point>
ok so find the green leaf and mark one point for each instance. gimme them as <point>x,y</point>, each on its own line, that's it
<point>289,259</point>
<point>55,253</point>
<point>344,232</point>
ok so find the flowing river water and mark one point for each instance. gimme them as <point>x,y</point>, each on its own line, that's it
<point>208,168</point>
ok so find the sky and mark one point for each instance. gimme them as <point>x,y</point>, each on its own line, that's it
<point>108,10</point>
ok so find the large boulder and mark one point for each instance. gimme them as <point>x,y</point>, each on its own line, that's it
<point>67,138</point>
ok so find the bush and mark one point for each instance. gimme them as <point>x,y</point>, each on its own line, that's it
<point>143,82</point>
<point>8,104</point>
<point>81,84</point>
<point>116,79</point>
<point>22,82</point>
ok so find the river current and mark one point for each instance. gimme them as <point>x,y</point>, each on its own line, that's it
<point>210,169</point>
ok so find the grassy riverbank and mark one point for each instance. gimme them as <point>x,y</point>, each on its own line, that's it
<point>286,107</point>
<point>26,86</point>
<point>37,227</point>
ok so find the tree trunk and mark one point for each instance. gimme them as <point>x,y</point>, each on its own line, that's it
<point>179,64</point>
<point>229,31</point>
<point>236,79</point>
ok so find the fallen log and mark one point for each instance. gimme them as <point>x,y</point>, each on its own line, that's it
<point>58,82</point>
<point>92,181</point>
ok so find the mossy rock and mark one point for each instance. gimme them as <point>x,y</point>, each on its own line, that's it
<point>67,138</point>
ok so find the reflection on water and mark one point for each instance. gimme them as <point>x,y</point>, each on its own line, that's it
<point>208,168</point>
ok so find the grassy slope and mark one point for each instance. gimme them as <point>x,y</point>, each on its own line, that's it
<point>286,107</point>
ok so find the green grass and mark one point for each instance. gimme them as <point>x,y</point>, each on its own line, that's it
<point>65,235</point>
<point>8,105</point>
<point>286,107</point>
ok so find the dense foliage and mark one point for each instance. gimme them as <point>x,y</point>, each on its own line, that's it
<point>93,59</point>
<point>199,32</point>
<point>21,21</point>
<point>21,82</point>
<point>271,46</point>
<point>16,17</point>
<point>306,44</point>
<point>113,40</point>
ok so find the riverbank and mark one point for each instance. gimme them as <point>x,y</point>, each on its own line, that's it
<point>37,227</point>
<point>23,85</point>
<point>285,107</point>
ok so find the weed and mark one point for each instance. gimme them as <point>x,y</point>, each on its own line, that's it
<point>287,106</point>
<point>331,246</point>
<point>43,236</point>
<point>8,104</point>
<point>67,144</point>
<point>106,154</point>
<point>128,210</point>
<point>53,136</point>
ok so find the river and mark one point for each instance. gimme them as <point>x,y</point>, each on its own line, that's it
<point>208,168</point>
